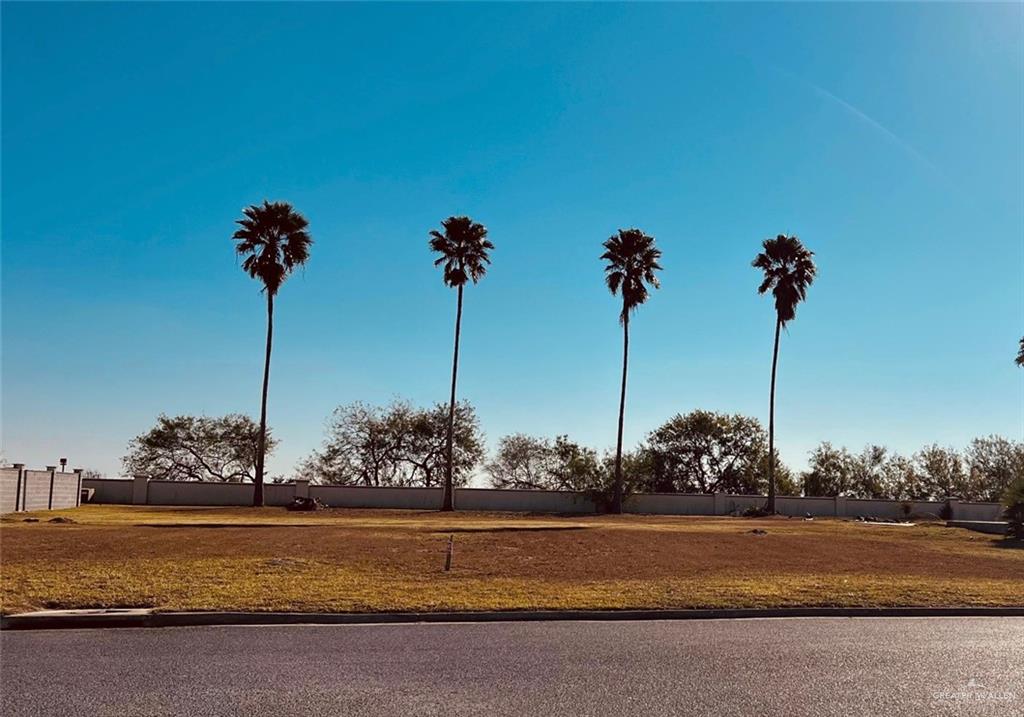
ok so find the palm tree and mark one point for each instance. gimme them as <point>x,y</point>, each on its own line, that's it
<point>632,260</point>
<point>1020,353</point>
<point>273,240</point>
<point>464,248</point>
<point>788,269</point>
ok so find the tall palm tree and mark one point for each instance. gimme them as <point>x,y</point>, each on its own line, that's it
<point>789,269</point>
<point>632,260</point>
<point>464,248</point>
<point>273,239</point>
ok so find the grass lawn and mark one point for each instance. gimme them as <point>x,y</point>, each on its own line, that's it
<point>374,560</point>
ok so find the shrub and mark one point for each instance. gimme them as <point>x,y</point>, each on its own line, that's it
<point>1013,499</point>
<point>603,494</point>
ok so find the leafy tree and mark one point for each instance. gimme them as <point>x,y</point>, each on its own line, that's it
<point>872,473</point>
<point>465,253</point>
<point>273,239</point>
<point>425,449</point>
<point>198,448</point>
<point>574,467</point>
<point>637,468</point>
<point>522,462</point>
<point>829,472</point>
<point>637,472</point>
<point>902,479</point>
<point>528,462</point>
<point>363,446</point>
<point>632,258</point>
<point>789,269</point>
<point>785,482</point>
<point>995,462</point>
<point>934,473</point>
<point>708,452</point>
<point>868,475</point>
<point>395,445</point>
<point>941,473</point>
<point>1020,353</point>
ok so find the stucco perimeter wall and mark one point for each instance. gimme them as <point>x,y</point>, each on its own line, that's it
<point>978,511</point>
<point>802,506</point>
<point>934,507</point>
<point>523,501</point>
<point>164,492</point>
<point>670,504</point>
<point>875,508</point>
<point>159,492</point>
<point>277,494</point>
<point>109,490</point>
<point>739,503</point>
<point>347,496</point>
<point>172,492</point>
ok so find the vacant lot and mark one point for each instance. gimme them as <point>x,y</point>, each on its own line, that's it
<point>363,560</point>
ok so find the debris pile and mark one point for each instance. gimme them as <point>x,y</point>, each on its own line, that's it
<point>305,504</point>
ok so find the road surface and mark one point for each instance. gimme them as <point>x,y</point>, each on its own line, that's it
<point>800,666</point>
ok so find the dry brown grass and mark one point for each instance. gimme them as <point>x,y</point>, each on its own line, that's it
<point>363,560</point>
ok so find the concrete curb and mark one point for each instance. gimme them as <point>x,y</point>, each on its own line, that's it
<point>149,618</point>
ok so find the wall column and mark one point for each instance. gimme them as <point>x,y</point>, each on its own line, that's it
<point>19,504</point>
<point>78,495</point>
<point>840,505</point>
<point>140,490</point>
<point>53,475</point>
<point>952,503</point>
<point>719,503</point>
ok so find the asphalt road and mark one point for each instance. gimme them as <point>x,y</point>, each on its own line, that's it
<point>800,666</point>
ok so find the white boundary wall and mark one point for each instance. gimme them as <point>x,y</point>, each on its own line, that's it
<point>110,490</point>
<point>161,492</point>
<point>342,496</point>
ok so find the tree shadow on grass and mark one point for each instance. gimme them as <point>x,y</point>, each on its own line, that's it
<point>233,525</point>
<point>1009,544</point>
<point>506,529</point>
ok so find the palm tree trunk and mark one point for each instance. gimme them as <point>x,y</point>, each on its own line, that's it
<point>617,495</point>
<point>448,501</point>
<point>257,494</point>
<point>771,423</point>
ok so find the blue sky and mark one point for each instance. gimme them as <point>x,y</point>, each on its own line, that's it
<point>888,137</point>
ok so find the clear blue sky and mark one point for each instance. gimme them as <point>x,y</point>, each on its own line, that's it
<point>888,137</point>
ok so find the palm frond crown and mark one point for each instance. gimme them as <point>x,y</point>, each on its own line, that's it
<point>273,239</point>
<point>632,258</point>
<point>464,250</point>
<point>789,270</point>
